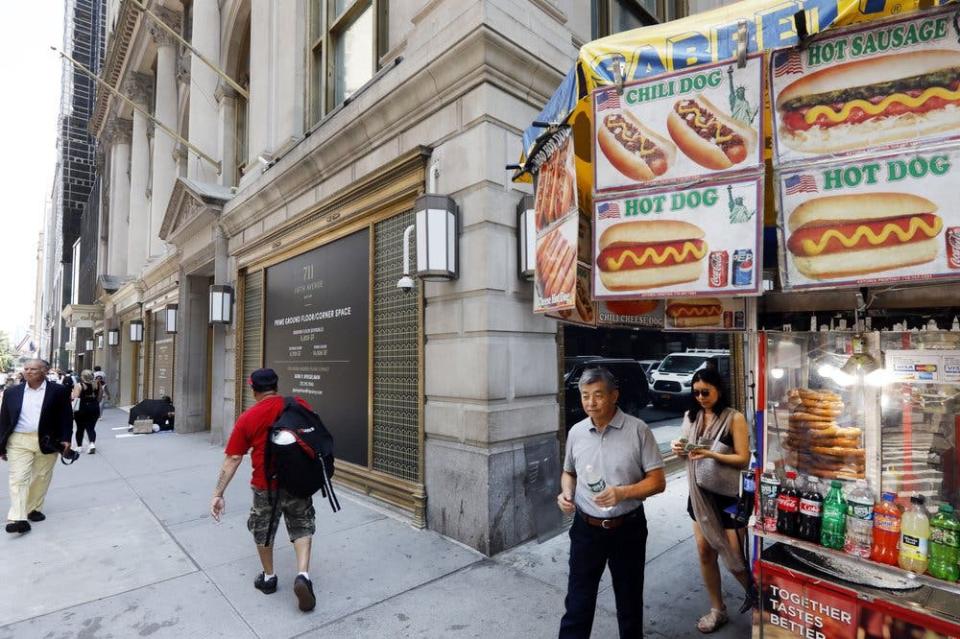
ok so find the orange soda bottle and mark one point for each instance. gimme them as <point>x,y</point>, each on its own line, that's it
<point>886,530</point>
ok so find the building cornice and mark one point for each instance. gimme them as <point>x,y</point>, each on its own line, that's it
<point>127,18</point>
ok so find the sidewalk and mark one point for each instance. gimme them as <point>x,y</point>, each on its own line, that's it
<point>129,549</point>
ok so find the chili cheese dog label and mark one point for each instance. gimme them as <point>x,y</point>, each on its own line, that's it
<point>885,218</point>
<point>675,127</point>
<point>680,242</point>
<point>884,85</point>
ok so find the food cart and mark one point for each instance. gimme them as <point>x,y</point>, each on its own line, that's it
<point>676,161</point>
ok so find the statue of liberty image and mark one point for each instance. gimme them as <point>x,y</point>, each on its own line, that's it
<point>738,210</point>
<point>739,106</point>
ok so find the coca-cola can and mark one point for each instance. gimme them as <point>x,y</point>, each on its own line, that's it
<point>728,319</point>
<point>719,268</point>
<point>953,247</point>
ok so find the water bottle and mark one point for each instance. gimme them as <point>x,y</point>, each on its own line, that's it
<point>833,526</point>
<point>945,544</point>
<point>769,491</point>
<point>811,511</point>
<point>915,537</point>
<point>595,483</point>
<point>788,507</point>
<point>859,536</point>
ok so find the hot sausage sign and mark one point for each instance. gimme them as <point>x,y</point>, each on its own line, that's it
<point>679,127</point>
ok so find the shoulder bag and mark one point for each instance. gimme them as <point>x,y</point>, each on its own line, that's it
<point>717,477</point>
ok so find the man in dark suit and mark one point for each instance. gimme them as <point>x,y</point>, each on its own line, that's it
<point>36,421</point>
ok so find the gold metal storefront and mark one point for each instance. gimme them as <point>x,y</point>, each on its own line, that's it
<point>382,204</point>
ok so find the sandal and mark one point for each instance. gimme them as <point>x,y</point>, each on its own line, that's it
<point>712,621</point>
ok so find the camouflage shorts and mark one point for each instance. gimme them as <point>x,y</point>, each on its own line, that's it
<point>298,515</point>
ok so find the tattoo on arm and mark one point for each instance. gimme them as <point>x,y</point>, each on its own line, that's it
<point>222,480</point>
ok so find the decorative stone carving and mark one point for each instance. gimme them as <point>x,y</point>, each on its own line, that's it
<point>183,67</point>
<point>118,131</point>
<point>160,35</point>
<point>138,87</point>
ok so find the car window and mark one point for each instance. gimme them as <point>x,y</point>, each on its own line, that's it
<point>681,364</point>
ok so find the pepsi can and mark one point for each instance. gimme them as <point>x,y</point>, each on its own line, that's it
<point>742,267</point>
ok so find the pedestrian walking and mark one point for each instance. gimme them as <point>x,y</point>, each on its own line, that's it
<point>35,425</point>
<point>722,449</point>
<point>89,392</point>
<point>104,390</point>
<point>250,434</point>
<point>612,464</point>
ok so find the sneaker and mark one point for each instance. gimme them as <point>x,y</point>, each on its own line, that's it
<point>36,515</point>
<point>18,527</point>
<point>303,588</point>
<point>91,449</point>
<point>266,586</point>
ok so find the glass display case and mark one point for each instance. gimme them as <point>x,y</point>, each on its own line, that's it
<point>882,407</point>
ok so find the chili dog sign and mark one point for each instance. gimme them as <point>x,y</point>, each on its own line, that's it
<point>678,127</point>
<point>884,85</point>
<point>884,219</point>
<point>679,243</point>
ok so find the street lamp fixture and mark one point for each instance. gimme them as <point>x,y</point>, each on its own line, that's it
<point>437,221</point>
<point>221,304</point>
<point>526,238</point>
<point>113,337</point>
<point>170,318</point>
<point>136,331</point>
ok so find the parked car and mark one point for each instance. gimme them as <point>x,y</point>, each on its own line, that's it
<point>649,365</point>
<point>631,379</point>
<point>674,377</point>
<point>569,363</point>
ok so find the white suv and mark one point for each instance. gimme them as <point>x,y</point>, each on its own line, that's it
<point>674,377</point>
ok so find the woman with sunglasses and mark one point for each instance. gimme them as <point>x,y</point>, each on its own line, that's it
<point>720,434</point>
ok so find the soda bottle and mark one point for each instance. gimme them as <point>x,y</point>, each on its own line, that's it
<point>914,537</point>
<point>833,525</point>
<point>859,537</point>
<point>769,491</point>
<point>945,544</point>
<point>886,530</point>
<point>595,482</point>
<point>788,507</point>
<point>811,510</point>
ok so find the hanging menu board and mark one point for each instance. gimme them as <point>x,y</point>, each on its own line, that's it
<point>879,85</point>
<point>316,335</point>
<point>678,127</point>
<point>888,218</point>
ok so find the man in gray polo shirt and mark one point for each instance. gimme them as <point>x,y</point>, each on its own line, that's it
<point>612,464</point>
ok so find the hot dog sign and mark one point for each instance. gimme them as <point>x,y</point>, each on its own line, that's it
<point>882,219</point>
<point>889,84</point>
<point>679,242</point>
<point>678,127</point>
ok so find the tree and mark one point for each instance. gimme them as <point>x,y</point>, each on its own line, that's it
<point>7,355</point>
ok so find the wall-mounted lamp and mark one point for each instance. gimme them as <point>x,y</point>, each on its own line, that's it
<point>89,345</point>
<point>221,304</point>
<point>113,337</point>
<point>136,331</point>
<point>437,233</point>
<point>526,238</point>
<point>99,341</point>
<point>170,318</point>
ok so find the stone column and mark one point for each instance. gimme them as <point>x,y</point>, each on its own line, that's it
<point>226,126</point>
<point>119,134</point>
<point>289,86</point>
<point>221,421</point>
<point>165,111</point>
<point>137,87</point>
<point>204,110</point>
<point>258,109</point>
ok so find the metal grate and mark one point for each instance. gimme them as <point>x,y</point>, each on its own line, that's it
<point>396,365</point>
<point>252,332</point>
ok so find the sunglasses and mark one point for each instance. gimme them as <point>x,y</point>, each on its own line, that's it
<point>705,392</point>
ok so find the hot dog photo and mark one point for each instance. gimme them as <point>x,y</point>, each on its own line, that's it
<point>679,242</point>
<point>670,128</point>
<point>866,89</point>
<point>891,218</point>
<point>693,313</point>
<point>584,311</point>
<point>556,268</point>
<point>556,187</point>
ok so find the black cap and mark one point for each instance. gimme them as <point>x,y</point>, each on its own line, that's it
<point>917,499</point>
<point>263,379</point>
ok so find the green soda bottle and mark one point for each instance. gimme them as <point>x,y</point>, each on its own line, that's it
<point>833,528</point>
<point>945,544</point>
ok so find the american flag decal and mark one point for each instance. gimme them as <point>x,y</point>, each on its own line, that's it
<point>796,184</point>
<point>608,211</point>
<point>608,100</point>
<point>787,63</point>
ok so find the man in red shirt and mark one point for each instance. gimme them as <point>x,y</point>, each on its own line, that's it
<point>250,432</point>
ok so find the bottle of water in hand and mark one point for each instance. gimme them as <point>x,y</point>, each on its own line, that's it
<point>595,483</point>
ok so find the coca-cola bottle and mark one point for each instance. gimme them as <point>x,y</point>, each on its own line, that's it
<point>811,511</point>
<point>788,507</point>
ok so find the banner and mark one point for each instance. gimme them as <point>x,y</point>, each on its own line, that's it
<point>883,85</point>
<point>631,313</point>
<point>719,314</point>
<point>558,230</point>
<point>678,127</point>
<point>884,219</point>
<point>679,243</point>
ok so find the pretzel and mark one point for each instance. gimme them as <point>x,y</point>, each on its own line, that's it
<point>821,433</point>
<point>799,444</point>
<point>834,451</point>
<point>800,416</point>
<point>820,396</point>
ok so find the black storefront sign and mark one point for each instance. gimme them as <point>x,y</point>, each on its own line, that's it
<point>316,336</point>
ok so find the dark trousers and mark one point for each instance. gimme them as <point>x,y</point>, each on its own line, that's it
<point>86,422</point>
<point>624,549</point>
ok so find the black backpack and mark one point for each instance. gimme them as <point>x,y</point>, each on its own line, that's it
<point>299,455</point>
